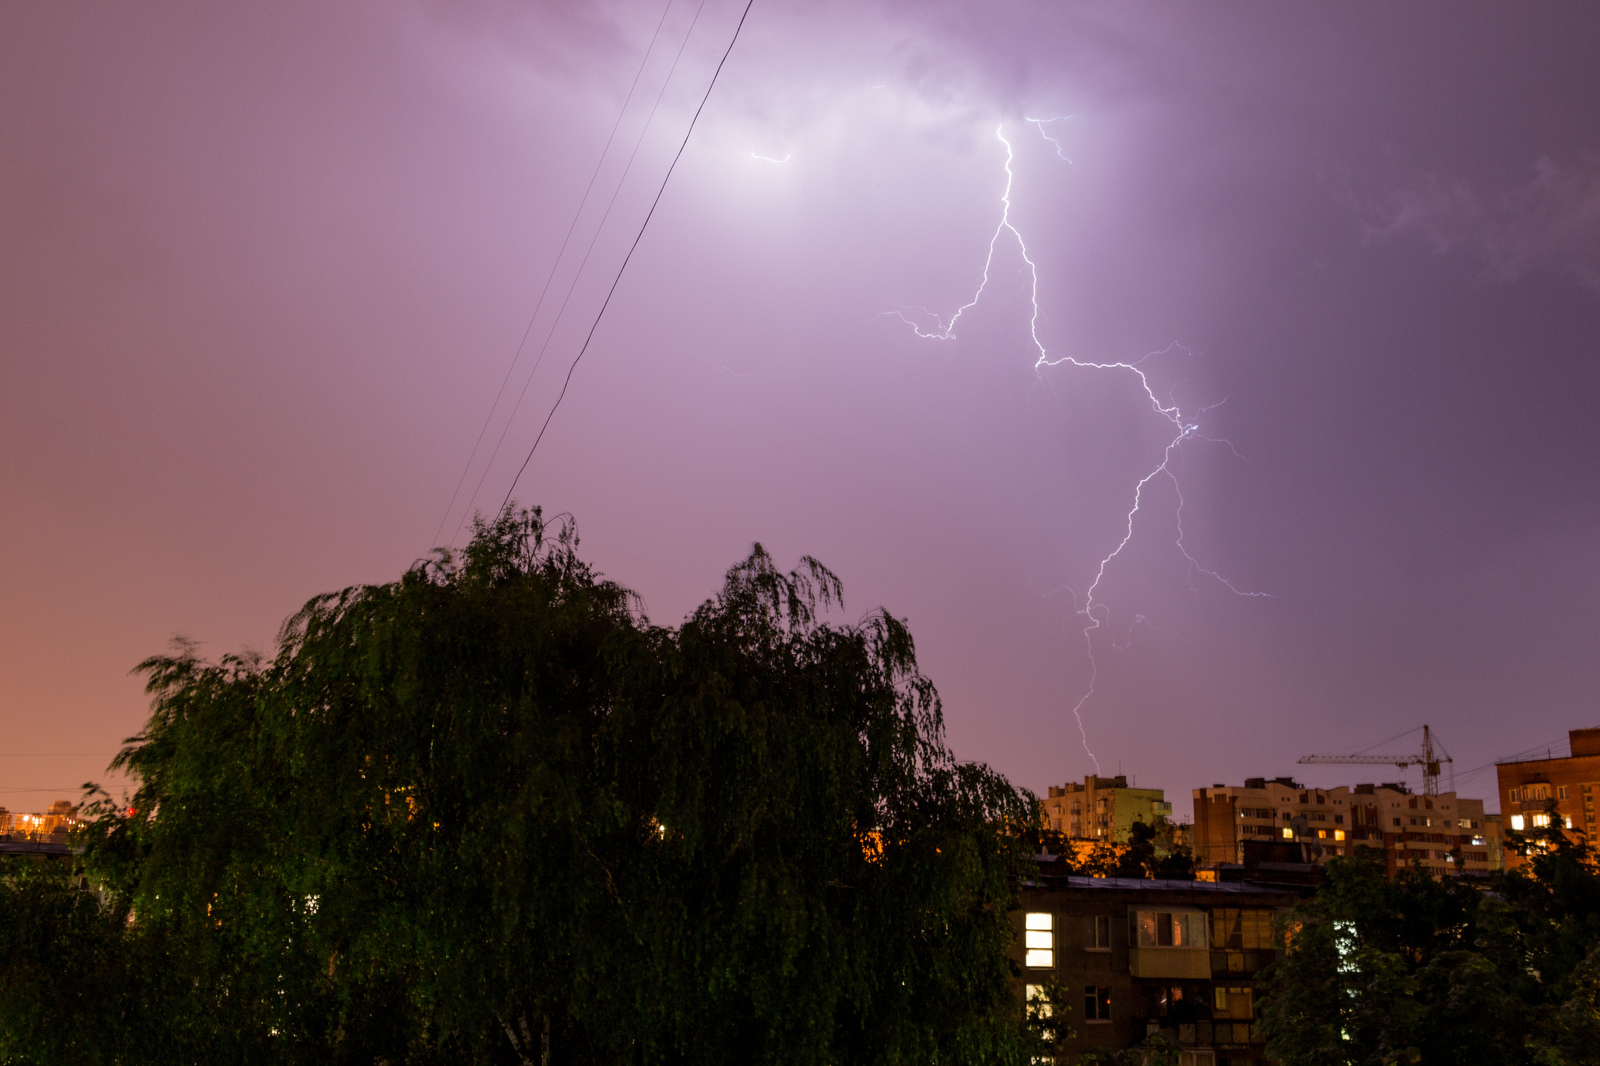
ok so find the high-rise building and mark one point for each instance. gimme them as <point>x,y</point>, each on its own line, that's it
<point>1532,791</point>
<point>1447,834</point>
<point>1104,808</point>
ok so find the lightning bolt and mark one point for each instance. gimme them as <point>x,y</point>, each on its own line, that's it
<point>1042,123</point>
<point>1184,427</point>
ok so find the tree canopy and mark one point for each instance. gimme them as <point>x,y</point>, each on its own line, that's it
<point>490,813</point>
<point>1418,970</point>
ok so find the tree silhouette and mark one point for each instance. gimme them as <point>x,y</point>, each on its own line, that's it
<point>490,813</point>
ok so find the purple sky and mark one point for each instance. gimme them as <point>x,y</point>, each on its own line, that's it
<point>264,266</point>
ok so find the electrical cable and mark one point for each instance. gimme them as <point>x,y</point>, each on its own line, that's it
<point>1397,736</point>
<point>572,286</point>
<point>629,257</point>
<point>1510,758</point>
<point>539,305</point>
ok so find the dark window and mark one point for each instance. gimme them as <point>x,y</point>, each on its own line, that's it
<point>1240,929</point>
<point>1100,934</point>
<point>1096,1003</point>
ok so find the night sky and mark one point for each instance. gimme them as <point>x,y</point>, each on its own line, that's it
<point>263,268</point>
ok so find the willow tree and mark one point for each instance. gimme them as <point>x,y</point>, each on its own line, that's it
<point>489,813</point>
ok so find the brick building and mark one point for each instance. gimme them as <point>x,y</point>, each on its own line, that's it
<point>1529,786</point>
<point>1136,957</point>
<point>1447,834</point>
<point>1104,808</point>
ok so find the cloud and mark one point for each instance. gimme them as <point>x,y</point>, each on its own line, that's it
<point>1550,223</point>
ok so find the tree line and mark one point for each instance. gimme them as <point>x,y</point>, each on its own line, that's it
<point>490,813</point>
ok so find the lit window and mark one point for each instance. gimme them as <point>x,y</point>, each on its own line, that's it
<point>1038,1003</point>
<point>1164,929</point>
<point>1039,940</point>
<point>1541,820</point>
<point>1232,1002</point>
<point>1338,834</point>
<point>1567,821</point>
<point>1288,834</point>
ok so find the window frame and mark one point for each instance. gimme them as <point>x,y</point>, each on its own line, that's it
<point>1038,940</point>
<point>1167,921</point>
<point>1097,1004</point>
<point>1099,938</point>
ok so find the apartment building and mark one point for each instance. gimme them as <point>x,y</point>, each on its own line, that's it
<point>1528,788</point>
<point>1492,824</point>
<point>1447,834</point>
<point>53,824</point>
<point>1137,957</point>
<point>1103,808</point>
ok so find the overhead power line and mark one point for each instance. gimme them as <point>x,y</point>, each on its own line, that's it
<point>556,263</point>
<point>628,258</point>
<point>561,312</point>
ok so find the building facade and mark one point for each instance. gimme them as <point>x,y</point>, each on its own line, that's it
<point>1104,808</point>
<point>1492,824</point>
<point>1529,788</point>
<point>1138,957</point>
<point>1447,834</point>
<point>53,824</point>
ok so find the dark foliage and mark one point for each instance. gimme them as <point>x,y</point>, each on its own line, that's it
<point>1150,853</point>
<point>488,813</point>
<point>1415,970</point>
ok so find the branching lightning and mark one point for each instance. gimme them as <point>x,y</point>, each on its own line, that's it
<point>1042,123</point>
<point>1184,426</point>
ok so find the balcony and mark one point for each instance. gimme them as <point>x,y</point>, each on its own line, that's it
<point>1206,1034</point>
<point>1170,962</point>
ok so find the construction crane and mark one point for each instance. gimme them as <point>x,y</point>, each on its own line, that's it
<point>1427,758</point>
